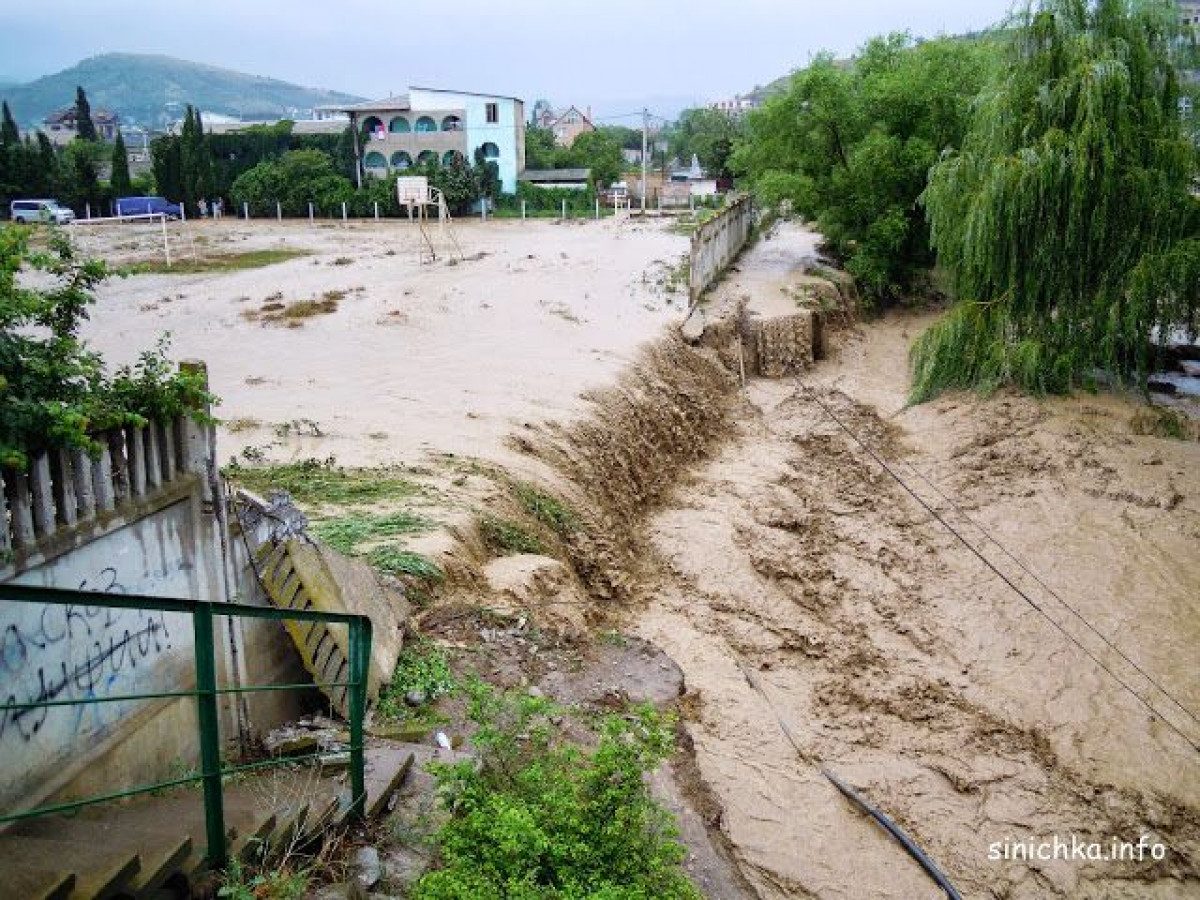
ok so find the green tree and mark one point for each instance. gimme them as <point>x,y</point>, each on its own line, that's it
<point>541,152</point>
<point>294,180</point>
<point>1068,220</point>
<point>119,179</point>
<point>599,152</point>
<point>707,134</point>
<point>85,128</point>
<point>80,176</point>
<point>167,165</point>
<point>850,145</point>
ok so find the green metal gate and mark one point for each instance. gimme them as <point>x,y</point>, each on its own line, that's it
<point>205,693</point>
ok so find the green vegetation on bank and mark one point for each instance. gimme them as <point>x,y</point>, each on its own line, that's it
<point>541,817</point>
<point>54,390</point>
<point>1067,220</point>
<point>322,482</point>
<point>1046,169</point>
<point>849,146</point>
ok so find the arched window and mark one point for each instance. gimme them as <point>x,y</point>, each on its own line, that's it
<point>427,157</point>
<point>401,160</point>
<point>375,160</point>
<point>452,123</point>
<point>449,157</point>
<point>372,124</point>
<point>399,125</point>
<point>490,151</point>
<point>426,124</point>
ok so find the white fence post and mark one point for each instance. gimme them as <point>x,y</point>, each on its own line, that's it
<point>310,212</point>
<point>376,210</point>
<point>88,209</point>
<point>597,207</point>
<point>278,211</point>
<point>166,243</point>
<point>246,209</point>
<point>564,208</point>
<point>343,210</point>
<point>182,211</point>
<point>522,209</point>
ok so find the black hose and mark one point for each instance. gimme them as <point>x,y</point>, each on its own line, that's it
<point>895,831</point>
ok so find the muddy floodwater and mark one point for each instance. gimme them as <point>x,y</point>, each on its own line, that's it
<point>982,613</point>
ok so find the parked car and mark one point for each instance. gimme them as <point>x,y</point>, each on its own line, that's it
<point>142,206</point>
<point>41,211</point>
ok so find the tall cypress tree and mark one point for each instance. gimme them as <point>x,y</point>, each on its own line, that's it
<point>119,179</point>
<point>189,161</point>
<point>46,164</point>
<point>1067,220</point>
<point>9,132</point>
<point>85,128</point>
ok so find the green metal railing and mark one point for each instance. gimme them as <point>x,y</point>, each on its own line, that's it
<point>205,693</point>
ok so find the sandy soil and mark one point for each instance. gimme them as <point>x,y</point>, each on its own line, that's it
<point>804,592</point>
<point>450,356</point>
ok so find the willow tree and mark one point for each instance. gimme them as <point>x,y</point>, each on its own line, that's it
<point>1067,220</point>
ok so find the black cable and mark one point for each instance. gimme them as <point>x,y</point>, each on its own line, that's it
<point>987,562</point>
<point>1034,575</point>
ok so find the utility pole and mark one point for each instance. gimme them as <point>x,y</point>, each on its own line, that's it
<point>645,162</point>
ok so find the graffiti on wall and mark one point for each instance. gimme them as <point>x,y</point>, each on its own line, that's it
<point>69,652</point>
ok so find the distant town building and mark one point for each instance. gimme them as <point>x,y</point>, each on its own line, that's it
<point>735,106</point>
<point>435,125</point>
<point>330,113</point>
<point>61,128</point>
<point>1190,10</point>
<point>567,125</point>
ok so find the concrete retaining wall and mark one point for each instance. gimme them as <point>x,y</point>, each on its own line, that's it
<point>137,520</point>
<point>717,242</point>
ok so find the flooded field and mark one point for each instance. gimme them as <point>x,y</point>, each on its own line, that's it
<point>982,613</point>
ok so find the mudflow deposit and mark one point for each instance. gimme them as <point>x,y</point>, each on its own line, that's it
<point>823,617</point>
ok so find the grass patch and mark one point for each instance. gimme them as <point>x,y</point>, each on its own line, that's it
<point>224,262</point>
<point>346,533</point>
<point>1161,422</point>
<point>421,668</point>
<point>504,536</point>
<point>395,560</point>
<point>323,482</point>
<point>550,511</point>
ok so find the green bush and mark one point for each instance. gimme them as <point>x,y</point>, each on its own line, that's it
<point>54,391</point>
<point>542,818</point>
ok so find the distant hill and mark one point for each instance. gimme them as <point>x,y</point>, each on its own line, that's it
<point>153,90</point>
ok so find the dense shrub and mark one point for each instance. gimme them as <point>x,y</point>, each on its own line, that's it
<point>542,818</point>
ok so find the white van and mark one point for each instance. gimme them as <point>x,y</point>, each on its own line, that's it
<point>41,211</point>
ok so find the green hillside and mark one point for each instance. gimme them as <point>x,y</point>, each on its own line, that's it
<point>153,90</point>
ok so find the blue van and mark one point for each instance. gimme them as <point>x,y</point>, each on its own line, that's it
<point>143,206</point>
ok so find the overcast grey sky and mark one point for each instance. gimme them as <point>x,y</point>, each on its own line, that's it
<point>602,52</point>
